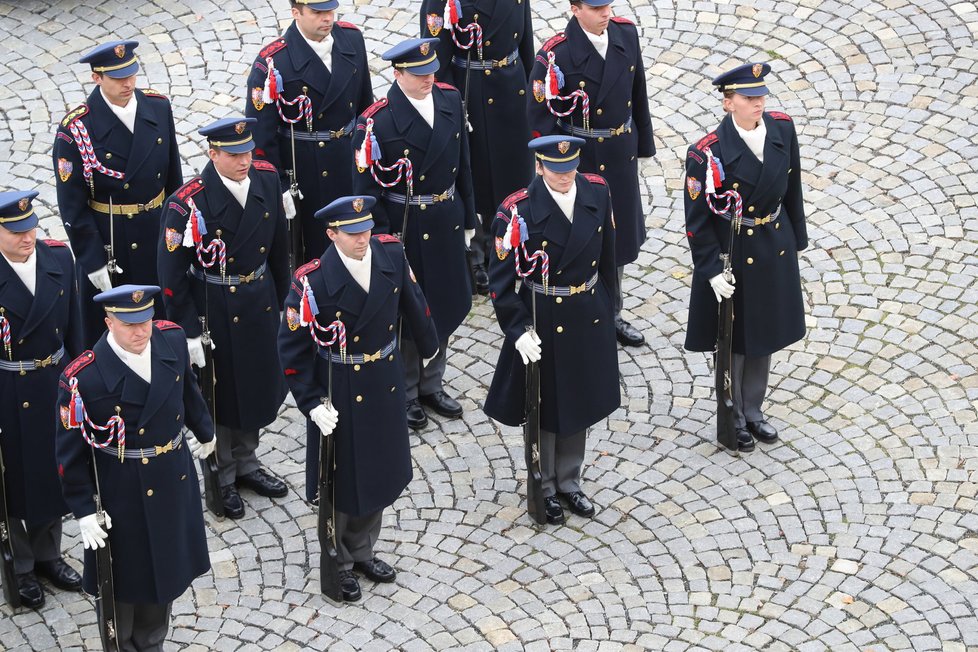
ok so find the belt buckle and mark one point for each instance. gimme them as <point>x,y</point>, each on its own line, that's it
<point>40,364</point>
<point>336,135</point>
<point>763,220</point>
<point>618,131</point>
<point>140,208</point>
<point>499,63</point>
<point>440,197</point>
<point>160,450</point>
<point>577,289</point>
<point>371,357</point>
<point>247,278</point>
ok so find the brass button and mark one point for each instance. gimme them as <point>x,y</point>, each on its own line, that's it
<point>266,215</point>
<point>108,155</point>
<point>424,206</point>
<point>782,253</point>
<point>231,259</point>
<point>516,35</point>
<point>581,84</point>
<point>183,477</point>
<point>425,236</point>
<point>789,170</point>
<point>159,175</point>
<point>454,170</point>
<point>322,144</point>
<point>359,399</point>
<point>390,328</point>
<point>393,388</point>
<point>750,261</point>
<point>628,103</point>
<point>135,245</point>
<point>560,329</point>
<point>777,225</point>
<point>750,231</point>
<point>596,321</point>
<point>233,289</point>
<point>325,173</point>
<point>406,152</point>
<point>149,492</point>
<point>178,417</point>
<point>142,431</point>
<point>544,243</point>
<point>319,117</point>
<point>599,111</point>
<point>522,91</point>
<point>396,290</point>
<point>750,209</point>
<point>268,308</point>
<point>261,250</point>
<point>600,139</point>
<point>356,338</point>
<point>27,404</point>
<point>631,68</point>
<point>456,227</point>
<point>601,167</point>
<point>390,358</point>
<point>125,186</point>
<point>159,141</point>
<point>421,178</point>
<point>338,314</point>
<point>594,263</point>
<point>489,101</point>
<point>736,185</point>
<point>235,320</point>
<point>599,229</point>
<point>178,378</point>
<point>356,367</point>
<point>559,300</point>
<point>488,43</point>
<point>145,460</point>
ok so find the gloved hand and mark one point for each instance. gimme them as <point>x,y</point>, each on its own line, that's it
<point>195,347</point>
<point>425,361</point>
<point>93,536</point>
<point>289,205</point>
<point>325,417</point>
<point>721,288</point>
<point>199,450</point>
<point>528,346</point>
<point>469,234</point>
<point>100,278</point>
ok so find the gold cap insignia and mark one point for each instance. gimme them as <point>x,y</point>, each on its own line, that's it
<point>239,128</point>
<point>425,47</point>
<point>137,296</point>
<point>358,204</point>
<point>23,203</point>
<point>120,50</point>
<point>563,146</point>
<point>757,69</point>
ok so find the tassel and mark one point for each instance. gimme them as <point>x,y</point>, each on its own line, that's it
<point>273,83</point>
<point>196,229</point>
<point>307,308</point>
<point>453,13</point>
<point>76,409</point>
<point>554,80</point>
<point>369,150</point>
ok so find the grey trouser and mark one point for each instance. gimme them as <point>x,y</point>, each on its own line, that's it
<point>235,453</point>
<point>141,627</point>
<point>30,543</point>
<point>418,381</point>
<point>619,299</point>
<point>749,377</point>
<point>560,461</point>
<point>356,537</point>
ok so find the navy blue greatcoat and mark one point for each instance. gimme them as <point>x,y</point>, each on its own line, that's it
<point>769,313</point>
<point>338,97</point>
<point>40,324</point>
<point>579,364</point>
<point>243,319</point>
<point>435,239</point>
<point>150,161</point>
<point>373,456</point>
<point>158,541</point>
<point>616,88</point>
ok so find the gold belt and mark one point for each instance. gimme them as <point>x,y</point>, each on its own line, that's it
<point>127,209</point>
<point>765,219</point>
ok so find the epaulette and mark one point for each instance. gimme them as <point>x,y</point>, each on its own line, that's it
<point>311,266</point>
<point>55,243</point>
<point>707,140</point>
<point>260,164</point>
<point>777,115</point>
<point>373,108</point>
<point>519,195</point>
<point>149,92</point>
<point>343,23</point>
<point>445,86</point>
<point>74,114</point>
<point>79,363</point>
<point>554,40</point>
<point>165,325</point>
<point>596,179</point>
<point>189,189</point>
<point>386,237</point>
<point>272,48</point>
<point>622,20</point>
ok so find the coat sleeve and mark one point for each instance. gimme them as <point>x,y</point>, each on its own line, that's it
<point>464,177</point>
<point>414,308</point>
<point>364,184</point>
<point>366,87</point>
<point>700,234</point>
<point>297,353</point>
<point>265,131</point>
<point>542,121</point>
<point>174,174</point>
<point>511,312</point>
<point>74,342</point>
<point>526,43</point>
<point>74,460</point>
<point>278,256</point>
<point>172,266</point>
<point>198,416</point>
<point>73,195</point>
<point>608,269</point>
<point>793,201</point>
<point>641,116</point>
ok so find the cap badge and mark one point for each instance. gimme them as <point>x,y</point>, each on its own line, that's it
<point>424,49</point>
<point>23,204</point>
<point>757,70</point>
<point>239,128</point>
<point>137,296</point>
<point>563,146</point>
<point>358,204</point>
<point>120,50</point>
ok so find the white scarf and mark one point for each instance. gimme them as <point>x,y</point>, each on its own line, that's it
<point>754,138</point>
<point>126,114</point>
<point>323,49</point>
<point>238,189</point>
<point>600,42</point>
<point>359,269</point>
<point>27,270</point>
<point>425,107</point>
<point>565,200</point>
<point>141,363</point>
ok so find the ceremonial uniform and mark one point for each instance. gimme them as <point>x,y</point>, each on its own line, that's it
<point>41,333</point>
<point>493,78</point>
<point>768,306</point>
<point>373,456</point>
<point>99,160</point>
<point>145,476</point>
<point>441,209</point>
<point>617,125</point>
<point>322,124</point>
<point>579,383</point>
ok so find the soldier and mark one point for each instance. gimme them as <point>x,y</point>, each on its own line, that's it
<point>116,159</point>
<point>419,130</point>
<point>571,331</point>
<point>244,220</point>
<point>367,284</point>
<point>754,153</point>
<point>493,79</point>
<point>41,332</point>
<point>322,84</point>
<point>597,63</point>
<point>123,408</point>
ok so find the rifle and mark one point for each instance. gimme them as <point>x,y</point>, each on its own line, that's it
<point>105,599</point>
<point>535,503</point>
<point>110,264</point>
<point>329,569</point>
<point>11,589</point>
<point>208,465</point>
<point>723,355</point>
<point>295,222</point>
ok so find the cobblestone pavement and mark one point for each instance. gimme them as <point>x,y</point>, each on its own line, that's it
<point>856,532</point>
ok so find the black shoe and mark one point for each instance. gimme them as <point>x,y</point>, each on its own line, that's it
<point>745,443</point>
<point>578,503</point>
<point>763,431</point>
<point>416,417</point>
<point>31,593</point>
<point>59,573</point>
<point>233,505</point>
<point>349,586</point>
<point>443,404</point>
<point>481,279</point>
<point>263,483</point>
<point>376,569</point>
<point>555,513</point>
<point>627,334</point>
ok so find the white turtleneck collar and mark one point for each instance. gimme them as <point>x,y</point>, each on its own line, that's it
<point>26,271</point>
<point>754,139</point>
<point>238,189</point>
<point>425,107</point>
<point>565,200</point>
<point>140,363</point>
<point>126,114</point>
<point>600,43</point>
<point>359,269</point>
<point>323,49</point>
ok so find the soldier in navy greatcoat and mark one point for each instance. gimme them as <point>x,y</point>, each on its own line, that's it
<point>421,122</point>
<point>599,55</point>
<point>116,153</point>
<point>366,284</point>
<point>123,407</point>
<point>324,60</point>
<point>493,79</point>
<point>567,216</point>
<point>41,333</point>
<point>754,153</point>
<point>242,212</point>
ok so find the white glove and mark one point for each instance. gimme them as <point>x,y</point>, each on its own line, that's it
<point>528,346</point>
<point>100,278</point>
<point>325,417</point>
<point>289,205</point>
<point>469,234</point>
<point>199,450</point>
<point>93,536</point>
<point>721,288</point>
<point>196,349</point>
